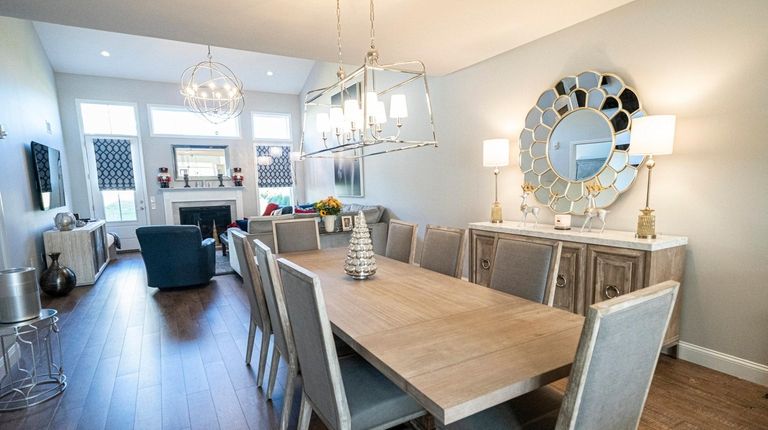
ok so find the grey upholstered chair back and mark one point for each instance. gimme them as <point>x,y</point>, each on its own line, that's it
<point>314,343</point>
<point>401,241</point>
<point>443,250</point>
<point>275,299</point>
<point>296,235</point>
<point>616,359</point>
<point>252,290</point>
<point>526,269</point>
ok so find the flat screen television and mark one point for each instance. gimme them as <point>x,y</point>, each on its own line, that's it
<point>49,176</point>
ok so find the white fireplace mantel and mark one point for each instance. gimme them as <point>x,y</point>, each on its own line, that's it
<point>175,197</point>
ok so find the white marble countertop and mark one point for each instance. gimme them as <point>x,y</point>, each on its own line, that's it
<point>620,239</point>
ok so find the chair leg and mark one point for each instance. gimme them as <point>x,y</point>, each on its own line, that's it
<point>305,413</point>
<point>263,358</point>
<point>273,372</point>
<point>251,337</point>
<point>288,399</point>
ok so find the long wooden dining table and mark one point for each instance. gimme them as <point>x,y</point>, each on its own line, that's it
<point>458,348</point>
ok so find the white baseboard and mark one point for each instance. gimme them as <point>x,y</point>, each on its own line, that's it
<point>734,366</point>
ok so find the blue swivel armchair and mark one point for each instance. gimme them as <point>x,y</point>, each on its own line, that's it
<point>176,256</point>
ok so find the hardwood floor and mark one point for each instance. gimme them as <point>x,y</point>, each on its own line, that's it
<point>140,358</point>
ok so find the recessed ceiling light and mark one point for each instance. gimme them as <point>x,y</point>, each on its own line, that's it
<point>269,73</point>
<point>105,53</point>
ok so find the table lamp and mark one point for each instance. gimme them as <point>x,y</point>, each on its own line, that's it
<point>651,135</point>
<point>496,154</point>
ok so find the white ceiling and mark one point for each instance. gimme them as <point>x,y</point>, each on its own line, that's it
<point>77,50</point>
<point>446,34</point>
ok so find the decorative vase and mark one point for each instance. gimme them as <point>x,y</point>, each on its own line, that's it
<point>329,222</point>
<point>360,262</point>
<point>64,221</point>
<point>57,280</point>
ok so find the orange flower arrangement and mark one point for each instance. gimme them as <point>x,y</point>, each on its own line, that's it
<point>328,206</point>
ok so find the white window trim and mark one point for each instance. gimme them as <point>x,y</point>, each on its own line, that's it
<point>79,102</point>
<point>187,136</point>
<point>273,114</point>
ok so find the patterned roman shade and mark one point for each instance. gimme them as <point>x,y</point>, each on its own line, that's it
<point>277,174</point>
<point>114,165</point>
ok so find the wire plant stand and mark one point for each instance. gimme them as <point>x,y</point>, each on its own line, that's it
<point>32,370</point>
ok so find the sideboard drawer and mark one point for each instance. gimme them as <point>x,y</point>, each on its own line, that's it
<point>613,272</point>
<point>570,276</point>
<point>482,248</point>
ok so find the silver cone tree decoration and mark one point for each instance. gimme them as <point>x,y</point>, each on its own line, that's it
<point>360,262</point>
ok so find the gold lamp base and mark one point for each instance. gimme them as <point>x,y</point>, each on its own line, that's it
<point>646,224</point>
<point>496,213</point>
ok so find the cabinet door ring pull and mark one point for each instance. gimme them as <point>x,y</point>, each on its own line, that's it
<point>485,263</point>
<point>561,281</point>
<point>611,291</point>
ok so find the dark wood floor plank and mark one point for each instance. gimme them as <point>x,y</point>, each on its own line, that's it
<point>202,412</point>
<point>149,411</point>
<point>122,406</point>
<point>96,406</point>
<point>175,412</point>
<point>225,400</point>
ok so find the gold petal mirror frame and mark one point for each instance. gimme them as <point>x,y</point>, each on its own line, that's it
<point>576,133</point>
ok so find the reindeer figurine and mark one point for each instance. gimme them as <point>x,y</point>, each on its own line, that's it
<point>593,189</point>
<point>528,188</point>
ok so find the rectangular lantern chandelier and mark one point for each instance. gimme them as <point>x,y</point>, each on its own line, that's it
<point>377,109</point>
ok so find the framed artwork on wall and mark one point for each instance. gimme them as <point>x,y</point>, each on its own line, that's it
<point>348,177</point>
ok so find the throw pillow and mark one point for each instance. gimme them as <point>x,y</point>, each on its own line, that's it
<point>243,224</point>
<point>270,208</point>
<point>300,210</point>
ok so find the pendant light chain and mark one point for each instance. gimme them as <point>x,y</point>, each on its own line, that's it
<point>373,29</point>
<point>340,73</point>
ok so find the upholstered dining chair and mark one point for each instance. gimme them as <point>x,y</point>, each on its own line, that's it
<point>283,336</point>
<point>401,241</point>
<point>526,269</point>
<point>611,374</point>
<point>345,393</point>
<point>443,250</point>
<point>296,235</point>
<point>255,293</point>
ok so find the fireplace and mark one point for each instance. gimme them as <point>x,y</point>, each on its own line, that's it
<point>205,217</point>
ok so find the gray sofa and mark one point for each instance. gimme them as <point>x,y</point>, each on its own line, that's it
<point>377,218</point>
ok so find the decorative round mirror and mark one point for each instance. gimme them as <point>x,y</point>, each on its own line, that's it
<point>576,134</point>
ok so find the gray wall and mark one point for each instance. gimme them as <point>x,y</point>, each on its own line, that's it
<point>705,62</point>
<point>157,150</point>
<point>27,102</point>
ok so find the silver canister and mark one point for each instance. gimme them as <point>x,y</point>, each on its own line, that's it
<point>19,295</point>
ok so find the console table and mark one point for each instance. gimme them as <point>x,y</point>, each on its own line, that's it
<point>593,266</point>
<point>85,250</point>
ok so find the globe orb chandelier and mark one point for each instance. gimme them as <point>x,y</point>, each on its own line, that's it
<point>212,90</point>
<point>348,119</point>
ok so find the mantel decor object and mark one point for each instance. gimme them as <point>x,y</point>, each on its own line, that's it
<point>237,176</point>
<point>360,262</point>
<point>57,280</point>
<point>19,295</point>
<point>651,135</point>
<point>496,154</point>
<point>186,180</point>
<point>220,177</point>
<point>164,178</point>
<point>525,209</point>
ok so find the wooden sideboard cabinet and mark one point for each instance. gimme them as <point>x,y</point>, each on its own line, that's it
<point>84,250</point>
<point>593,266</point>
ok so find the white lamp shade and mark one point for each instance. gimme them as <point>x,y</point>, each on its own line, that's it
<point>398,108</point>
<point>371,98</point>
<point>337,118</point>
<point>379,113</point>
<point>323,122</point>
<point>495,152</point>
<point>352,112</point>
<point>652,135</point>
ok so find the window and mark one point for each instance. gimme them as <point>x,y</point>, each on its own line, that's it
<point>275,175</point>
<point>271,126</point>
<point>119,205</point>
<point>177,121</point>
<point>108,119</point>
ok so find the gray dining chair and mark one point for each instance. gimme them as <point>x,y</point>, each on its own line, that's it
<point>345,393</point>
<point>255,293</point>
<point>283,346</point>
<point>611,374</point>
<point>443,250</point>
<point>526,269</point>
<point>296,235</point>
<point>401,241</point>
